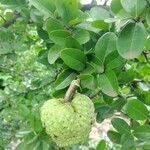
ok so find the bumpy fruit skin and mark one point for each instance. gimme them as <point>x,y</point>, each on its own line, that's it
<point>68,123</point>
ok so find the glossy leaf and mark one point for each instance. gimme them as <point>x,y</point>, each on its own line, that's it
<point>87,81</point>
<point>96,63</point>
<point>108,83</point>
<point>115,137</point>
<point>101,145</point>
<point>131,40</point>
<point>47,7</point>
<point>67,9</point>
<point>134,7</point>
<point>147,46</point>
<point>6,42</point>
<point>59,36</point>
<point>99,13</point>
<point>105,45</point>
<point>127,141</point>
<point>52,24</point>
<point>54,53</point>
<point>118,104</point>
<point>116,6</point>
<point>148,17</point>
<point>64,79</point>
<point>142,132</point>
<point>114,60</point>
<point>82,36</point>
<point>136,110</point>
<point>12,2</point>
<point>120,125</point>
<point>72,43</point>
<point>102,113</point>
<point>100,24</point>
<point>73,58</point>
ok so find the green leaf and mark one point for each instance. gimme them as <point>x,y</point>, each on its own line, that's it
<point>127,141</point>
<point>64,79</point>
<point>126,76</point>
<point>45,146</point>
<point>114,60</point>
<point>89,69</point>
<point>118,104</point>
<point>101,145</point>
<point>105,45</point>
<point>46,7</point>
<point>36,16</point>
<point>132,40</point>
<point>22,133</point>
<point>102,113</point>
<point>99,13</point>
<point>54,53</point>
<point>147,46</point>
<point>100,24</point>
<point>52,24</point>
<point>142,132</point>
<point>67,9</point>
<point>81,36</point>
<point>59,93</point>
<point>107,99</point>
<point>87,81</point>
<point>108,83</point>
<point>96,63</point>
<point>120,125</point>
<point>72,43</point>
<point>59,36</point>
<point>134,7</point>
<point>43,57</point>
<point>115,137</point>
<point>6,41</point>
<point>74,58</point>
<point>13,2</point>
<point>42,34</point>
<point>87,26</point>
<point>148,17</point>
<point>136,110</point>
<point>116,6</point>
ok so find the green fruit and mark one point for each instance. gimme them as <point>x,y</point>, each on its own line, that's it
<point>68,123</point>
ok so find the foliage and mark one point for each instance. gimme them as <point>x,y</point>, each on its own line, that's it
<point>46,44</point>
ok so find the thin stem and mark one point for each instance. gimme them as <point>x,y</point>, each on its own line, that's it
<point>71,90</point>
<point>94,95</point>
<point>8,23</point>
<point>3,18</point>
<point>105,3</point>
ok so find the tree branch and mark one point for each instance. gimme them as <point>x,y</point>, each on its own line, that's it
<point>94,95</point>
<point>71,90</point>
<point>105,3</point>
<point>3,18</point>
<point>8,23</point>
<point>88,6</point>
<point>145,55</point>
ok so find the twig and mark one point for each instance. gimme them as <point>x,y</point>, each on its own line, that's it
<point>88,6</point>
<point>145,55</point>
<point>105,3</point>
<point>3,18</point>
<point>71,90</point>
<point>94,95</point>
<point>8,23</point>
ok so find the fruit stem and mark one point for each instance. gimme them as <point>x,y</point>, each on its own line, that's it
<point>71,90</point>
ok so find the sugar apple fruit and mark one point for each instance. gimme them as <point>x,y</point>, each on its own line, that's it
<point>68,123</point>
